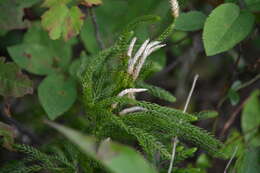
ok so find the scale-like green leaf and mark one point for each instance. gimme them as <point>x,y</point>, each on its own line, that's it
<point>116,157</point>
<point>225,27</point>
<point>191,21</point>
<point>250,121</point>
<point>13,83</point>
<point>40,55</point>
<point>57,94</point>
<point>157,92</point>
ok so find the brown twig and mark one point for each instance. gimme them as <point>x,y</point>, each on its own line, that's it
<point>7,107</point>
<point>7,117</point>
<point>248,83</point>
<point>232,118</point>
<point>95,24</point>
<point>244,85</point>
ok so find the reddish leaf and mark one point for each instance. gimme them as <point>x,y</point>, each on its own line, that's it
<point>13,83</point>
<point>8,135</point>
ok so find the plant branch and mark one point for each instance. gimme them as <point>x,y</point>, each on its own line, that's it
<point>175,141</point>
<point>96,27</point>
<point>232,157</point>
<point>232,118</point>
<point>190,94</point>
<point>248,83</point>
<point>19,126</point>
<point>244,85</point>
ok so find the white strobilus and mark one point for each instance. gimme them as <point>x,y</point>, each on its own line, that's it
<point>135,64</point>
<point>137,61</point>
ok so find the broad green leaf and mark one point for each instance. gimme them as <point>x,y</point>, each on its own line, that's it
<point>233,96</point>
<point>50,3</point>
<point>60,20</point>
<point>37,34</point>
<point>75,65</point>
<point>250,120</point>
<point>40,55</point>
<point>53,20</point>
<point>13,83</point>
<point>187,170</point>
<point>57,94</point>
<point>2,32</point>
<point>73,23</point>
<point>250,162</point>
<point>203,161</point>
<point>253,5</point>
<point>134,10</point>
<point>232,1</point>
<point>206,114</point>
<point>32,57</point>
<point>225,27</point>
<point>12,12</point>
<point>88,3</point>
<point>236,85</point>
<point>191,21</point>
<point>116,157</point>
<point>7,134</point>
<point>88,38</point>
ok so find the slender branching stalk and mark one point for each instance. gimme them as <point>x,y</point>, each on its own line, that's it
<point>175,140</point>
<point>230,160</point>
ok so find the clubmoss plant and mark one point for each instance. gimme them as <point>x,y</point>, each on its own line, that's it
<point>152,125</point>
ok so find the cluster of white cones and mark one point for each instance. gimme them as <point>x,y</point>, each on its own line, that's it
<point>135,65</point>
<point>136,62</point>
